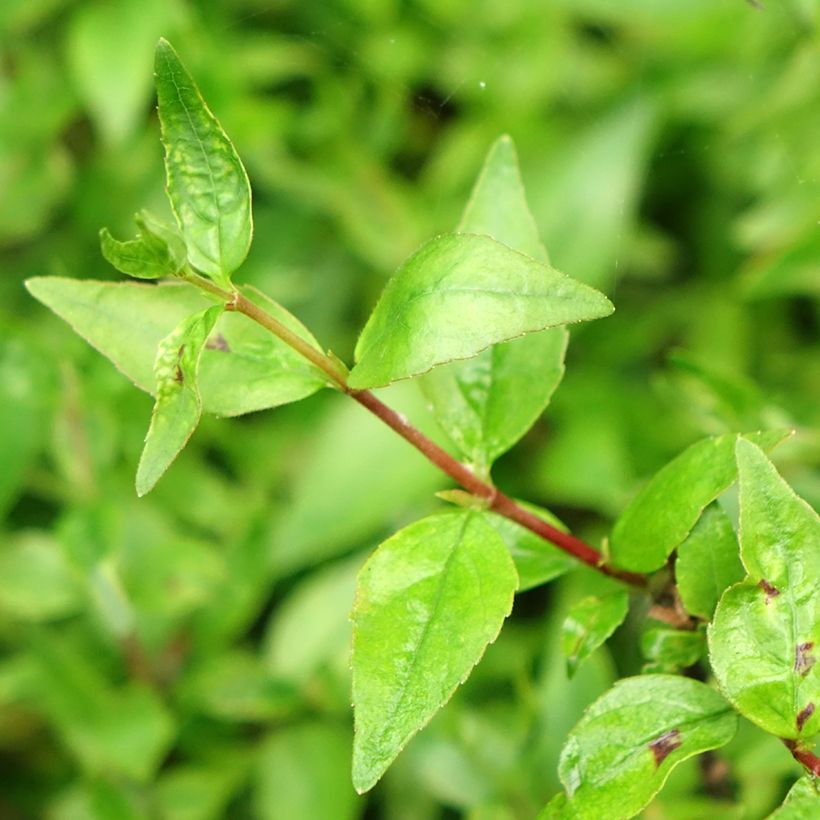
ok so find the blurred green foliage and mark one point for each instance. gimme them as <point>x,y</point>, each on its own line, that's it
<point>186,656</point>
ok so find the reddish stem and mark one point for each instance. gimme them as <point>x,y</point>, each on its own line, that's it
<point>803,756</point>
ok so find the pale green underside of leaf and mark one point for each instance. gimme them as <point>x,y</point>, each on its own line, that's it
<point>207,184</point>
<point>621,752</point>
<point>485,404</point>
<point>708,562</point>
<point>589,623</point>
<point>663,513</point>
<point>178,406</point>
<point>428,602</point>
<point>243,368</point>
<point>764,640</point>
<point>457,295</point>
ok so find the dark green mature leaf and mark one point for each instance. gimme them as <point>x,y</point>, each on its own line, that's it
<point>622,750</point>
<point>764,637</point>
<point>589,623</point>
<point>663,513</point>
<point>157,251</point>
<point>178,406</point>
<point>428,602</point>
<point>243,368</point>
<point>485,404</point>
<point>708,562</point>
<point>207,184</point>
<point>457,295</point>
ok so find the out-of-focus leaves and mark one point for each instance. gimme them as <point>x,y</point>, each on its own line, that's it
<point>589,623</point>
<point>670,650</point>
<point>623,749</point>
<point>764,636</point>
<point>198,792</point>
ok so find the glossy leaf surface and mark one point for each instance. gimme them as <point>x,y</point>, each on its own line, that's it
<point>427,603</point>
<point>708,562</point>
<point>622,750</point>
<point>157,251</point>
<point>457,295</point>
<point>663,513</point>
<point>207,184</point>
<point>178,405</point>
<point>764,639</point>
<point>589,623</point>
<point>485,404</point>
<point>243,368</point>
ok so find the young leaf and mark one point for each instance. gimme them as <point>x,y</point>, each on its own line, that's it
<point>178,405</point>
<point>622,750</point>
<point>428,602</point>
<point>669,650</point>
<point>244,368</point>
<point>157,251</point>
<point>764,639</point>
<point>457,295</point>
<point>663,513</point>
<point>207,184</point>
<point>708,562</point>
<point>589,623</point>
<point>536,561</point>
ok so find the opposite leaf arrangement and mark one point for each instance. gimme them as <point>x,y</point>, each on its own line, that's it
<point>479,318</point>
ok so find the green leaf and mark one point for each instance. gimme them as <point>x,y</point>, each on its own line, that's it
<point>536,560</point>
<point>622,750</point>
<point>157,251</point>
<point>663,513</point>
<point>801,803</point>
<point>589,623</point>
<point>428,602</point>
<point>178,406</point>
<point>207,184</point>
<point>764,637</point>
<point>670,650</point>
<point>457,295</point>
<point>244,368</point>
<point>708,562</point>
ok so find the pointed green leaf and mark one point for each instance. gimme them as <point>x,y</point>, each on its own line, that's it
<point>207,183</point>
<point>621,752</point>
<point>708,562</point>
<point>243,368</point>
<point>178,405</point>
<point>802,802</point>
<point>670,650</point>
<point>457,295</point>
<point>764,639</point>
<point>589,623</point>
<point>663,513</point>
<point>536,560</point>
<point>428,602</point>
<point>157,251</point>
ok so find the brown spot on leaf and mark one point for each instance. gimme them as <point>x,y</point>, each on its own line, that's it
<point>803,658</point>
<point>218,342</point>
<point>663,746</point>
<point>771,591</point>
<point>803,715</point>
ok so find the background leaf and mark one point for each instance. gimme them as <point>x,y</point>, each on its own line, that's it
<point>178,405</point>
<point>207,184</point>
<point>427,603</point>
<point>589,623</point>
<point>457,295</point>
<point>663,513</point>
<point>764,637</point>
<point>621,752</point>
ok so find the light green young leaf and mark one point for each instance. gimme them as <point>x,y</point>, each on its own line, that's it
<point>536,561</point>
<point>622,750</point>
<point>243,368</point>
<point>207,184</point>
<point>663,513</point>
<point>157,251</point>
<point>428,602</point>
<point>708,562</point>
<point>457,295</point>
<point>589,623</point>
<point>801,803</point>
<point>178,406</point>
<point>670,650</point>
<point>764,637</point>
